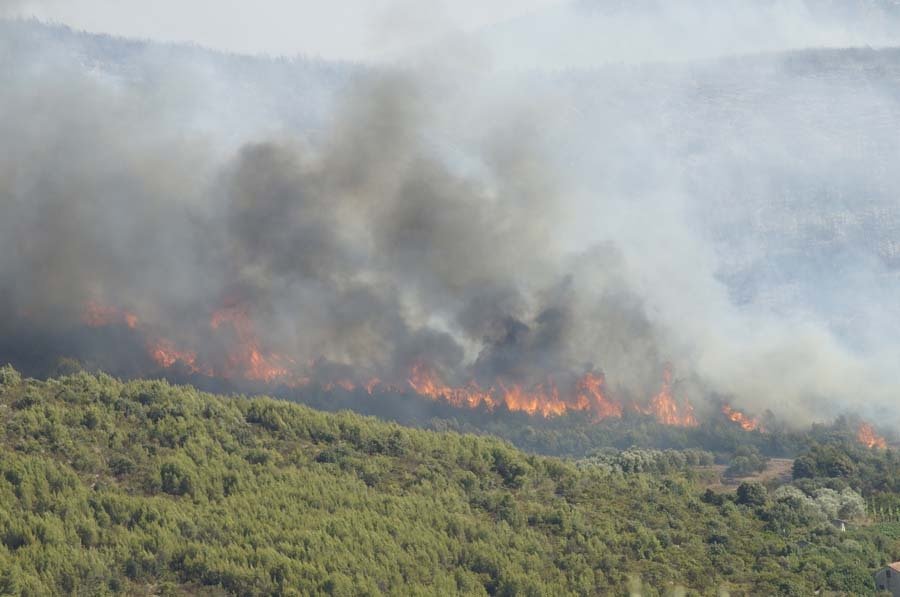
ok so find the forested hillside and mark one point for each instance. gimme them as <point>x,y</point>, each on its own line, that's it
<point>148,488</point>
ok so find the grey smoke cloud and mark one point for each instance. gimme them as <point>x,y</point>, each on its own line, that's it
<point>590,33</point>
<point>606,222</point>
<point>360,247</point>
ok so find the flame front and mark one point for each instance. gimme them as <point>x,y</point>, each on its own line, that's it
<point>423,380</point>
<point>96,314</point>
<point>372,384</point>
<point>246,359</point>
<point>746,422</point>
<point>344,384</point>
<point>867,436</point>
<point>543,399</point>
<point>666,410</point>
<point>591,396</point>
<point>165,354</point>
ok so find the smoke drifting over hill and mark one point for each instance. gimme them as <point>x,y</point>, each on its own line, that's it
<point>437,233</point>
<point>584,33</point>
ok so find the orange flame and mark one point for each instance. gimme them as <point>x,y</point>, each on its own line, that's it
<point>165,354</point>
<point>666,410</point>
<point>344,384</point>
<point>97,315</point>
<point>591,397</point>
<point>541,399</point>
<point>372,384</point>
<point>867,436</point>
<point>425,381</point>
<point>746,422</point>
<point>247,359</point>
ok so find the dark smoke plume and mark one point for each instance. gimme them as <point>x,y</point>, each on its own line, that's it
<point>144,233</point>
<point>360,249</point>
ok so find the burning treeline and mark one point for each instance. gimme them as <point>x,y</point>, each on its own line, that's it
<point>243,359</point>
<point>867,436</point>
<point>363,256</point>
<point>246,360</point>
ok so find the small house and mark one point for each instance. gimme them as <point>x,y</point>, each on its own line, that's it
<point>888,579</point>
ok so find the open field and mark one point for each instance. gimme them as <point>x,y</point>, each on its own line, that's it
<point>713,477</point>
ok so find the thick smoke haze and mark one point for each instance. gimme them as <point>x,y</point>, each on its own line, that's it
<point>731,218</point>
<point>359,247</point>
<point>587,33</point>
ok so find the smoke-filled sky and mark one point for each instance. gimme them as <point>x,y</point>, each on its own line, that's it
<point>511,33</point>
<point>735,217</point>
<point>359,30</point>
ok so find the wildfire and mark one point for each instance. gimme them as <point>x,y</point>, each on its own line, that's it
<point>344,384</point>
<point>746,422</point>
<point>423,380</point>
<point>97,315</point>
<point>666,410</point>
<point>247,358</point>
<point>591,397</point>
<point>372,384</point>
<point>542,399</point>
<point>546,399</point>
<point>867,436</point>
<point>165,354</point>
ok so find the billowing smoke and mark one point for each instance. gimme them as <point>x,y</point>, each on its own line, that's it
<point>616,225</point>
<point>364,248</point>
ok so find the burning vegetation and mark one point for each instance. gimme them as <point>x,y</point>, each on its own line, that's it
<point>230,349</point>
<point>667,411</point>
<point>543,399</point>
<point>245,359</point>
<point>165,354</point>
<point>364,263</point>
<point>746,422</point>
<point>97,315</point>
<point>867,436</point>
<point>359,261</point>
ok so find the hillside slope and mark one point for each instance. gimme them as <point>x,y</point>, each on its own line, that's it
<point>148,488</point>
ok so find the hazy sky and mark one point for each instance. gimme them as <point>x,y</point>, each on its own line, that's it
<point>345,29</point>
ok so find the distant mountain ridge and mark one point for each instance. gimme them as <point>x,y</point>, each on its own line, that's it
<point>594,32</point>
<point>295,93</point>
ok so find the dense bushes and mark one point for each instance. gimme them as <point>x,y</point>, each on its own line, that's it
<point>146,488</point>
<point>746,461</point>
<point>640,460</point>
<point>572,435</point>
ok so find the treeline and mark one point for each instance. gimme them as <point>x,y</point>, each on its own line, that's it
<point>572,435</point>
<point>641,460</point>
<point>148,488</point>
<point>838,463</point>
